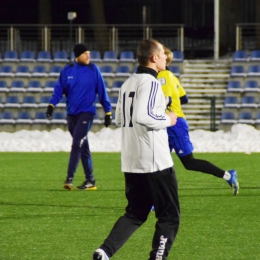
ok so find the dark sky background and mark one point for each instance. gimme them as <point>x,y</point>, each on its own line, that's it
<point>123,11</point>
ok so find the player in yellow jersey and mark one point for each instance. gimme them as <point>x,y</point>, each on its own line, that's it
<point>178,135</point>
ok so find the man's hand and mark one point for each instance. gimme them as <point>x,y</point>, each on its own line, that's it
<point>108,119</point>
<point>173,118</point>
<point>49,111</point>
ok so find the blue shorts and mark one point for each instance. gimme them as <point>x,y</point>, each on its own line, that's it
<point>179,139</point>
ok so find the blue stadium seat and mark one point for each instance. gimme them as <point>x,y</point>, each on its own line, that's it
<point>58,118</point>
<point>60,56</point>
<point>1,103</point>
<point>123,71</point>
<point>24,118</point>
<point>257,121</point>
<point>22,71</point>
<point>34,86</point>
<point>49,86</point>
<point>248,102</point>
<point>107,70</point>
<point>245,118</point>
<point>231,102</point>
<point>110,56</point>
<point>240,55</point>
<point>11,56</point>
<point>127,56</point>
<point>116,85</point>
<point>40,118</point>
<point>234,86</point>
<point>178,56</point>
<point>228,118</point>
<point>12,102</point>
<point>113,101</point>
<point>44,101</point>
<point>253,70</point>
<point>44,56</point>
<point>95,56</point>
<point>55,71</point>
<point>1,57</point>
<point>3,86</point>
<point>17,86</point>
<point>251,86</point>
<point>255,55</point>
<point>29,102</point>
<point>39,71</point>
<point>237,71</point>
<point>6,71</point>
<point>28,56</point>
<point>7,118</point>
<point>175,70</point>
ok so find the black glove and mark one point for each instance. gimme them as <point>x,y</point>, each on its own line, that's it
<point>49,111</point>
<point>108,119</point>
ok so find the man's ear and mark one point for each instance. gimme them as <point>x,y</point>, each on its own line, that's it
<point>153,59</point>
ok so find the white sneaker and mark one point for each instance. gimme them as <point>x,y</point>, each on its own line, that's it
<point>100,254</point>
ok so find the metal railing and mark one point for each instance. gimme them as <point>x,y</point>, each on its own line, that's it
<point>96,37</point>
<point>248,36</point>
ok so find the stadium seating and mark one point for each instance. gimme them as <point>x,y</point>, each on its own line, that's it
<point>12,102</point>
<point>240,55</point>
<point>257,121</point>
<point>29,102</point>
<point>228,118</point>
<point>253,70</point>
<point>245,118</point>
<point>123,71</point>
<point>44,101</point>
<point>107,70</point>
<point>34,86</point>
<point>44,56</point>
<point>55,71</point>
<point>110,56</point>
<point>60,56</point>
<point>39,71</point>
<point>178,56</point>
<point>40,118</point>
<point>127,56</point>
<point>3,86</point>
<point>248,102</point>
<point>17,86</point>
<point>24,118</point>
<point>251,86</point>
<point>113,101</point>
<point>234,86</point>
<point>95,56</point>
<point>22,71</point>
<point>58,118</point>
<point>62,102</point>
<point>7,118</point>
<point>49,86</point>
<point>237,71</point>
<point>27,56</point>
<point>116,85</point>
<point>6,71</point>
<point>175,70</point>
<point>231,102</point>
<point>255,55</point>
<point>11,56</point>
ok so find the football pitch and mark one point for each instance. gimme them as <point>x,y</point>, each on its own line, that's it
<point>41,220</point>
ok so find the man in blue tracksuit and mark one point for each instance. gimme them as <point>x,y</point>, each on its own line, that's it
<point>80,82</point>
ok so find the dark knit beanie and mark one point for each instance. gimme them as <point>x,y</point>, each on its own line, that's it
<point>79,49</point>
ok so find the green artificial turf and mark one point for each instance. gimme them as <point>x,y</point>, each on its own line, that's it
<point>40,220</point>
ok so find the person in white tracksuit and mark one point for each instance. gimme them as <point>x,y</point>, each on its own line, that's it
<point>145,157</point>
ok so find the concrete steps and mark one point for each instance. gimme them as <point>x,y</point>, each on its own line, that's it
<point>203,79</point>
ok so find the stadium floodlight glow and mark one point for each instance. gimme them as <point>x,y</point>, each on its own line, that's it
<point>72,15</point>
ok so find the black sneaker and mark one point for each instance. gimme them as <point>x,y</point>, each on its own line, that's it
<point>68,184</point>
<point>87,185</point>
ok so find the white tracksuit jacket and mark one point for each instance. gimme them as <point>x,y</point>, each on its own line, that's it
<point>140,113</point>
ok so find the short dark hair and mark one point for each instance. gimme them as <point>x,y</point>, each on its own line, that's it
<point>145,50</point>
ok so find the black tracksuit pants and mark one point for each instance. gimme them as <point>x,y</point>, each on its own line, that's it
<point>142,192</point>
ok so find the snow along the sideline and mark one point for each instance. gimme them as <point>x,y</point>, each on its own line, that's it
<point>241,138</point>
